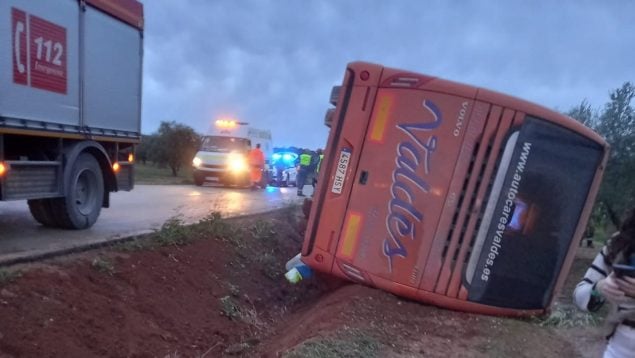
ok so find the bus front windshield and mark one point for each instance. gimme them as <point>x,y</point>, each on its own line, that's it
<point>224,144</point>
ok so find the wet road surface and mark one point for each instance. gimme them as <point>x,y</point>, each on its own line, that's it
<point>140,211</point>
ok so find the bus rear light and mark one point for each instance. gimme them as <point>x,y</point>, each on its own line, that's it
<point>351,235</point>
<point>3,169</point>
<point>131,158</point>
<point>116,167</point>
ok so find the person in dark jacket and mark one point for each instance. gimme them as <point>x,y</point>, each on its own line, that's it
<point>304,170</point>
<point>319,154</point>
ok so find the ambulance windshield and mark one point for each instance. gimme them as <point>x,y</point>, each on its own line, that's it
<point>224,144</point>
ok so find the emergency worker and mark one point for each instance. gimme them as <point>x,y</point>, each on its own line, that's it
<point>280,166</point>
<point>304,169</point>
<point>256,165</point>
<point>320,156</point>
<point>602,283</point>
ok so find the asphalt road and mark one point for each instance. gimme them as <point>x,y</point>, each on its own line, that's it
<point>142,210</point>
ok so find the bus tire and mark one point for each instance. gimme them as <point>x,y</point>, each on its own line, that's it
<point>81,206</point>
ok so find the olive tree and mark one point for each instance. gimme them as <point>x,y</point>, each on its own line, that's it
<point>616,123</point>
<point>174,144</point>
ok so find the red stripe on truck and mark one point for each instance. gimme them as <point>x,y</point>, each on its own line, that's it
<point>128,11</point>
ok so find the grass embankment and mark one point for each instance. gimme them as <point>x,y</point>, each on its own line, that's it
<point>209,289</point>
<point>150,174</point>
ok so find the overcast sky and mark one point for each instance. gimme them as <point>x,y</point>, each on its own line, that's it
<point>272,63</point>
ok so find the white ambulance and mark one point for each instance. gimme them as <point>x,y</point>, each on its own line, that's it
<point>222,157</point>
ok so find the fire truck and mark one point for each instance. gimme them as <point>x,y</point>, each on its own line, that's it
<point>450,194</point>
<point>70,105</point>
<point>222,157</point>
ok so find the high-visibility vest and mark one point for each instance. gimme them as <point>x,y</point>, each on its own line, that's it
<point>320,162</point>
<point>305,160</point>
<point>256,157</point>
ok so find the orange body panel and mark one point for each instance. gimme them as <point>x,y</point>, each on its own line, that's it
<point>439,192</point>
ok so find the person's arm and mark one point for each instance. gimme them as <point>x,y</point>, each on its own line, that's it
<point>587,296</point>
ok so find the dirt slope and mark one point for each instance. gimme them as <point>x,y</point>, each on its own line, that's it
<point>202,294</point>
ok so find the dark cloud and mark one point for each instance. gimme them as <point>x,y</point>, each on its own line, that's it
<point>273,63</point>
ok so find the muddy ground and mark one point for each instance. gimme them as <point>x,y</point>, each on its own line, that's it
<point>217,289</point>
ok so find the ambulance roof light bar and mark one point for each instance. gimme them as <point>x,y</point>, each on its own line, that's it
<point>229,123</point>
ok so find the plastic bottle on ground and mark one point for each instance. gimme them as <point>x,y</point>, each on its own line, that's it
<point>298,273</point>
<point>295,261</point>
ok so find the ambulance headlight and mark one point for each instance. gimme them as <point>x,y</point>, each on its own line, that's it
<point>196,162</point>
<point>237,163</point>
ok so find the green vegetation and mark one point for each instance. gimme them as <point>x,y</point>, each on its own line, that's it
<point>134,244</point>
<point>174,232</point>
<point>270,265</point>
<point>344,343</point>
<point>220,228</point>
<point>234,290</point>
<point>8,276</point>
<point>103,265</point>
<point>233,310</point>
<point>229,307</point>
<point>172,145</point>
<point>616,123</point>
<point>262,230</point>
<point>567,316</point>
<point>153,174</point>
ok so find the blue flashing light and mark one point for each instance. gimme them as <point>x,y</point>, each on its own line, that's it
<point>287,158</point>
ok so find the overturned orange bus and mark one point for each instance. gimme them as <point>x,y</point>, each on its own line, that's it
<point>450,194</point>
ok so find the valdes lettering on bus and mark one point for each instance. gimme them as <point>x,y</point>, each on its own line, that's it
<point>412,166</point>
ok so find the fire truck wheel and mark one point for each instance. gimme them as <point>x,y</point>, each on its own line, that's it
<point>42,212</point>
<point>81,206</point>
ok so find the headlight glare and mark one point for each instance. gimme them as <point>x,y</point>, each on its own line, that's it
<point>237,163</point>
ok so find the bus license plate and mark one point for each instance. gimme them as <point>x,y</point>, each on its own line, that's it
<point>340,171</point>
